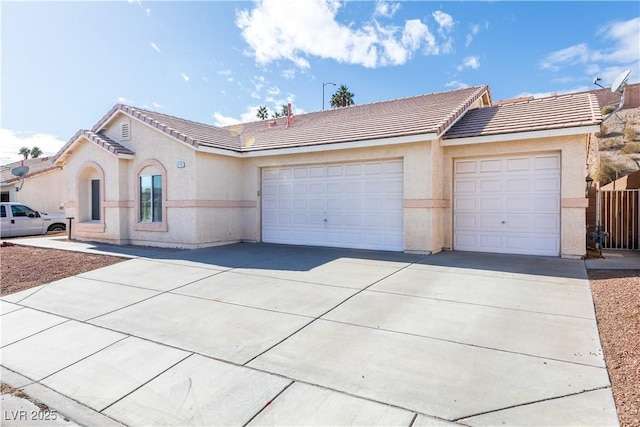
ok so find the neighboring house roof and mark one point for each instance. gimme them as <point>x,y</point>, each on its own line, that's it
<point>36,166</point>
<point>631,96</point>
<point>557,112</point>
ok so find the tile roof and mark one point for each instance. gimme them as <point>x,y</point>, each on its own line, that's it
<point>101,140</point>
<point>558,112</point>
<point>423,114</point>
<point>190,132</point>
<point>631,96</point>
<point>36,167</point>
<point>431,113</point>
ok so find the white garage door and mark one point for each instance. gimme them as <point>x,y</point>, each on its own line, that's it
<point>349,205</point>
<point>508,205</point>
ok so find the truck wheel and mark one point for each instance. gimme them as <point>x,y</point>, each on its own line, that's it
<point>57,227</point>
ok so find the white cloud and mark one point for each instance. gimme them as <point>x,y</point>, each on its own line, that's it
<point>474,29</point>
<point>156,105</point>
<point>185,77</point>
<point>576,54</point>
<point>13,141</point>
<point>444,20</point>
<point>623,53</point>
<point>221,120</point>
<point>123,100</point>
<point>455,84</point>
<point>446,24</point>
<point>472,62</point>
<point>386,9</point>
<point>626,38</point>
<point>225,72</point>
<point>148,11</point>
<point>272,35</point>
<point>289,73</point>
<point>155,47</point>
<point>273,91</point>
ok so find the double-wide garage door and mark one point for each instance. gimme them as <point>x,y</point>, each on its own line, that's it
<point>508,204</point>
<point>350,205</point>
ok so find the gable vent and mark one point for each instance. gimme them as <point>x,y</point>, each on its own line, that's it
<point>125,134</point>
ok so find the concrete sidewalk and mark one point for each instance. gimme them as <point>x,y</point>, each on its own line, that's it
<point>615,260</point>
<point>253,334</point>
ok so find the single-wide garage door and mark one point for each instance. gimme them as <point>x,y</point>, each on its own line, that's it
<point>508,204</point>
<point>349,205</point>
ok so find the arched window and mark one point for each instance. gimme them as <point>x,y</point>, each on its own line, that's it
<point>151,206</point>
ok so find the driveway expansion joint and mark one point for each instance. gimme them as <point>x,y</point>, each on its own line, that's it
<point>532,403</point>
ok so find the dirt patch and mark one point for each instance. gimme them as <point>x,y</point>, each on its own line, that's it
<point>24,267</point>
<point>616,296</point>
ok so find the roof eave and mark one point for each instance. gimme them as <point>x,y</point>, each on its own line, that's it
<point>407,139</point>
<point>514,136</point>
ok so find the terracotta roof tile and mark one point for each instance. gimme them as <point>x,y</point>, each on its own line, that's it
<point>101,140</point>
<point>431,113</point>
<point>557,112</point>
<point>401,117</point>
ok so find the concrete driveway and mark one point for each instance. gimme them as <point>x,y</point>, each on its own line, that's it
<point>253,334</point>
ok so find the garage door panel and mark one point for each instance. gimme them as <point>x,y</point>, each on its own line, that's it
<point>518,185</point>
<point>462,204</point>
<point>547,162</point>
<point>518,204</point>
<point>357,205</point>
<point>317,189</point>
<point>491,204</point>
<point>487,166</point>
<point>491,185</point>
<point>544,184</point>
<point>465,186</point>
<point>513,208</point>
<point>393,167</point>
<point>518,164</point>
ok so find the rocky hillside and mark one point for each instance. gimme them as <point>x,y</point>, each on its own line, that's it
<point>615,152</point>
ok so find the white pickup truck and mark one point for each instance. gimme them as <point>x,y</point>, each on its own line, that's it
<point>17,219</point>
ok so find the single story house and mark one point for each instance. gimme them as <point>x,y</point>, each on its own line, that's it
<point>420,174</point>
<point>44,188</point>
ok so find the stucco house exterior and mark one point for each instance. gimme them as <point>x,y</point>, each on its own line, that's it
<point>44,188</point>
<point>421,174</point>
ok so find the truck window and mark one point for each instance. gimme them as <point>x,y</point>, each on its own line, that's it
<point>21,210</point>
<point>3,212</point>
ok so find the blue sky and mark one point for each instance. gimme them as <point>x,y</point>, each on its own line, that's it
<point>65,64</point>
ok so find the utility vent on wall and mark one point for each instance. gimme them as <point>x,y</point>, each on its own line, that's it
<point>125,135</point>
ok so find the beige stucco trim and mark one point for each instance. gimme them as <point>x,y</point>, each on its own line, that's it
<point>551,133</point>
<point>427,203</point>
<point>568,202</point>
<point>119,204</point>
<point>212,203</point>
<point>89,227</point>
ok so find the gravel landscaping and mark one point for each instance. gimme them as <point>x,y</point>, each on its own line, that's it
<point>616,296</point>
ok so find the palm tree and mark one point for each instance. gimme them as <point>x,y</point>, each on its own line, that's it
<point>25,152</point>
<point>275,115</point>
<point>36,152</point>
<point>262,113</point>
<point>342,97</point>
<point>284,111</point>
